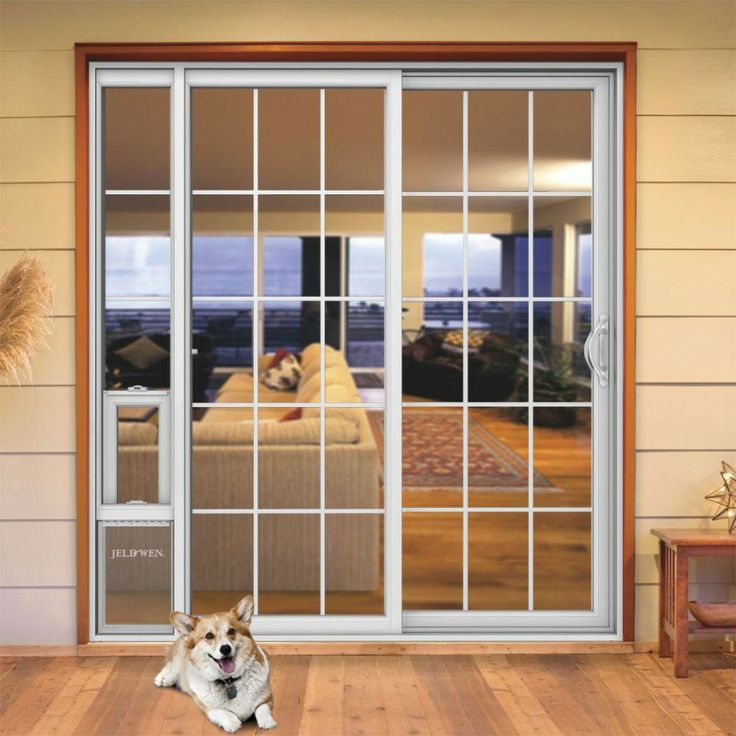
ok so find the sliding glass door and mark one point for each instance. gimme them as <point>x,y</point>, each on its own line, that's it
<point>353,350</point>
<point>506,494</point>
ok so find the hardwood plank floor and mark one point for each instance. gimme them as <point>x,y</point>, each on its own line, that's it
<point>545,695</point>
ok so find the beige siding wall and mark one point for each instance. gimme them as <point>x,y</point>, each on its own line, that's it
<point>686,300</point>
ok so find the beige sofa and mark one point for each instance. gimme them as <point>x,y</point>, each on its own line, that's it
<point>288,478</point>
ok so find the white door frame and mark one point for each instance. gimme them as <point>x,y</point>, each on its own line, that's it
<point>606,81</point>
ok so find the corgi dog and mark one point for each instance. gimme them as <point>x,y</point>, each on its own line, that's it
<point>217,662</point>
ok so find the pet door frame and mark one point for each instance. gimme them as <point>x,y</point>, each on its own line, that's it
<point>607,78</point>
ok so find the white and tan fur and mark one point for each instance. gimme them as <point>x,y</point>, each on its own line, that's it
<point>201,665</point>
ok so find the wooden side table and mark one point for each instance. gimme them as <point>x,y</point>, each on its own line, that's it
<point>676,546</point>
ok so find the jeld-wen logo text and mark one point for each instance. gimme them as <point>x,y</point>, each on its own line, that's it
<point>130,553</point>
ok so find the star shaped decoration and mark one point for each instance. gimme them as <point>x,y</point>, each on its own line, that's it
<point>725,496</point>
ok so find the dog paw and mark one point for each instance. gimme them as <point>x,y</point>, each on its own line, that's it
<point>226,720</point>
<point>266,722</point>
<point>164,679</point>
<point>264,719</point>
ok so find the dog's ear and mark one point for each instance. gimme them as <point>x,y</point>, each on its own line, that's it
<point>244,609</point>
<point>183,622</point>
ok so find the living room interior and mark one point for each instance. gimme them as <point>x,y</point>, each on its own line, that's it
<point>287,322</point>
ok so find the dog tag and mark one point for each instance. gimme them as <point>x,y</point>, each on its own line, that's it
<point>231,691</point>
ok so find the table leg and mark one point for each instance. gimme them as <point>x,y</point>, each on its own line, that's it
<point>681,609</point>
<point>665,593</point>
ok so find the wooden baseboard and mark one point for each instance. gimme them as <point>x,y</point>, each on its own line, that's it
<point>387,648</point>
<point>696,646</point>
<point>36,650</point>
<point>281,648</point>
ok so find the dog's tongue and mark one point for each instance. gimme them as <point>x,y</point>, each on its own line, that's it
<point>227,665</point>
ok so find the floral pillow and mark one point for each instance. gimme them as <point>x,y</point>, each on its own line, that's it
<point>283,372</point>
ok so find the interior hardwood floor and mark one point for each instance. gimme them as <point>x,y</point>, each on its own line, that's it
<point>550,695</point>
<point>432,543</point>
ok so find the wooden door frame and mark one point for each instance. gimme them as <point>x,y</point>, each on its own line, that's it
<point>369,51</point>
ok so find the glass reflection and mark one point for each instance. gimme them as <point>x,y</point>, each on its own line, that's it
<point>432,457</point>
<point>498,141</point>
<point>432,353</point>
<point>222,138</point>
<point>432,553</point>
<point>560,370</point>
<point>354,138</point>
<point>222,246</point>
<point>288,573</point>
<point>563,255</point>
<point>432,127</point>
<point>498,561</point>
<point>288,138</point>
<point>354,564</point>
<point>562,141</point>
<point>222,573</point>
<point>562,561</point>
<point>136,137</point>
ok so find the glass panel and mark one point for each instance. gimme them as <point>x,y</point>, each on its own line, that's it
<point>288,459</point>
<point>354,564</point>
<point>359,269</point>
<point>288,563</point>
<point>138,569</point>
<point>222,459</point>
<point>562,561</point>
<point>562,261</point>
<point>288,138</point>
<point>562,456</point>
<point>498,561</point>
<point>137,340</point>
<point>364,334</point>
<point>222,246</point>
<point>137,246</point>
<point>560,370</point>
<point>353,456</point>
<point>222,138</point>
<point>432,355</point>
<point>562,137</point>
<point>498,141</point>
<point>433,561</point>
<point>498,246</point>
<point>137,265</point>
<point>222,561</point>
<point>290,255</point>
<point>432,251</point>
<point>366,265</point>
<point>222,368</point>
<point>354,138</point>
<point>138,454</point>
<point>136,137</point>
<point>498,457</point>
<point>291,326</point>
<point>432,457</point>
<point>432,141</point>
<point>498,351</point>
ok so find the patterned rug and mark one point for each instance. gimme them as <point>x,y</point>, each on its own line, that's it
<point>432,455</point>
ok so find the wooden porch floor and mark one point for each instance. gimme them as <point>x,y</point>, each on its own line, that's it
<point>549,695</point>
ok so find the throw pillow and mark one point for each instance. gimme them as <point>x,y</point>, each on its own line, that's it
<point>292,415</point>
<point>453,342</point>
<point>284,375</point>
<point>142,353</point>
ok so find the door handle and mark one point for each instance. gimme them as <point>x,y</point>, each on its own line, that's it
<point>592,350</point>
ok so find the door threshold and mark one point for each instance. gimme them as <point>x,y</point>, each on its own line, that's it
<point>379,648</point>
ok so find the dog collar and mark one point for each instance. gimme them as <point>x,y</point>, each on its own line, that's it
<point>229,684</point>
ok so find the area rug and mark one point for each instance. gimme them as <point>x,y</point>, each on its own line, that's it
<point>432,455</point>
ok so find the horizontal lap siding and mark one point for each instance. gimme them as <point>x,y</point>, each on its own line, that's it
<point>686,100</point>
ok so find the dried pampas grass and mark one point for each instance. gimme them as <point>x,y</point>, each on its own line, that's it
<point>26,298</point>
